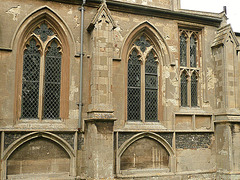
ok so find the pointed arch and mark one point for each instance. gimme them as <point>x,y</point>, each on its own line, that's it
<point>28,137</point>
<point>154,138</point>
<point>150,44</point>
<point>151,135</point>
<point>34,136</point>
<point>57,29</point>
<point>38,16</point>
<point>157,39</point>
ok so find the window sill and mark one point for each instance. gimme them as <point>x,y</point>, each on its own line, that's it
<point>40,124</point>
<point>143,172</point>
<point>191,109</point>
<point>144,126</point>
<point>40,121</point>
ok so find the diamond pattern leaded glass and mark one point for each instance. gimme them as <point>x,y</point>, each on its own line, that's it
<point>134,87</point>
<point>192,52</point>
<point>184,89</point>
<point>151,86</point>
<point>30,81</point>
<point>52,84</point>
<point>44,32</point>
<point>183,50</point>
<point>143,43</point>
<point>194,90</point>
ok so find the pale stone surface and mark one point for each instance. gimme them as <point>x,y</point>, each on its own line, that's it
<point>196,142</point>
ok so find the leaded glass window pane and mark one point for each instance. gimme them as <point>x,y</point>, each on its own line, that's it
<point>151,87</point>
<point>193,52</point>
<point>183,50</point>
<point>134,87</point>
<point>30,81</point>
<point>184,89</point>
<point>194,90</point>
<point>52,83</point>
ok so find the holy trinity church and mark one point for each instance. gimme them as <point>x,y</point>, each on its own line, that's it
<point>117,90</point>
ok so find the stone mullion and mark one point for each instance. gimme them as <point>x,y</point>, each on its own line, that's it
<point>189,89</point>
<point>41,83</point>
<point>143,90</point>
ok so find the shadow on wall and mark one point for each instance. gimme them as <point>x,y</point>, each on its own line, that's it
<point>145,153</point>
<point>38,156</point>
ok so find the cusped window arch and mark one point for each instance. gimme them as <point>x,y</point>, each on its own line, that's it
<point>42,74</point>
<point>143,80</point>
<point>144,103</point>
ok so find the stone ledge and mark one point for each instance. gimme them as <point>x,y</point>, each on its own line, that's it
<point>103,116</point>
<point>59,176</point>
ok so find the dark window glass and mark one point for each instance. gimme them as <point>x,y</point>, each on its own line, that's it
<point>134,87</point>
<point>52,82</point>
<point>183,50</point>
<point>30,81</point>
<point>151,87</point>
<point>193,52</point>
<point>143,43</point>
<point>184,89</point>
<point>194,90</point>
<point>43,31</point>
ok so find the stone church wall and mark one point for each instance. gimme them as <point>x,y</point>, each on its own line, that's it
<point>182,142</point>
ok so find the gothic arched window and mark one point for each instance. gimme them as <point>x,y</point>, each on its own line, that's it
<point>42,73</point>
<point>189,64</point>
<point>143,75</point>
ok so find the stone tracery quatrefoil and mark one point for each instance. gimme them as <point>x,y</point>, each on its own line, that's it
<point>44,32</point>
<point>143,43</point>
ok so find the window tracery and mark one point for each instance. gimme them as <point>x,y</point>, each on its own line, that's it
<point>143,83</point>
<point>189,67</point>
<point>41,75</point>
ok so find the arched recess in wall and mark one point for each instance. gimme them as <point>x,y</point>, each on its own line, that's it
<point>25,33</point>
<point>145,53</point>
<point>38,153</point>
<point>145,152</point>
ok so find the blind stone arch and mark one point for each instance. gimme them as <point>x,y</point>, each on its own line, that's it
<point>34,135</point>
<point>154,137</point>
